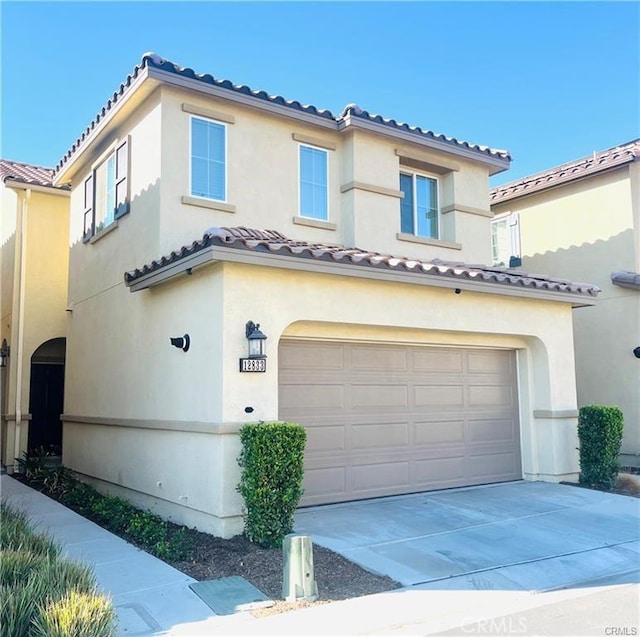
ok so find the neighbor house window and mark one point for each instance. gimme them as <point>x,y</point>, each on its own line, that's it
<point>208,159</point>
<point>106,191</point>
<point>505,240</point>
<point>313,183</point>
<point>419,205</point>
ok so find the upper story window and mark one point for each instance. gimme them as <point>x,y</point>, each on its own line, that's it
<point>419,208</point>
<point>208,159</point>
<point>106,191</point>
<point>505,240</point>
<point>313,183</point>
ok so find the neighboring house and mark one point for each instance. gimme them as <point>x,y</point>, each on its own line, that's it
<point>582,220</point>
<point>409,373</point>
<point>34,257</point>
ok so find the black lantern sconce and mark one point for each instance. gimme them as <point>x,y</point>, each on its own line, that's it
<point>256,340</point>
<point>5,350</point>
<point>636,352</point>
<point>257,359</point>
<point>181,342</point>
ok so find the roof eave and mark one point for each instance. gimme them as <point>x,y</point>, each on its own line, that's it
<point>215,253</point>
<point>495,163</point>
<point>19,184</point>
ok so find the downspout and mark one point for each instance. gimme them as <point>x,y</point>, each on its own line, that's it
<point>26,198</point>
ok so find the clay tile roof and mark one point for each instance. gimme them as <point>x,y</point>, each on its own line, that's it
<point>596,163</point>
<point>273,242</point>
<point>153,60</point>
<point>27,174</point>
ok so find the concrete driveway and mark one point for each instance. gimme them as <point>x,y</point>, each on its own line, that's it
<point>531,536</point>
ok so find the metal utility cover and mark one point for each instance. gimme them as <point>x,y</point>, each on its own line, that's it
<point>229,595</point>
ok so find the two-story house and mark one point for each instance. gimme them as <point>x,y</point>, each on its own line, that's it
<point>582,220</point>
<point>34,257</point>
<point>200,208</point>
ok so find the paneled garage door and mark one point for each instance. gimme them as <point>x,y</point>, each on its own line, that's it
<point>384,419</point>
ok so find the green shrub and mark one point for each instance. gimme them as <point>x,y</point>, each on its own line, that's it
<point>272,459</point>
<point>75,614</point>
<point>600,432</point>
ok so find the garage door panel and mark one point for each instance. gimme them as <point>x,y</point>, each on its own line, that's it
<point>324,397</point>
<point>382,435</point>
<point>490,395</point>
<point>438,361</point>
<point>438,395</point>
<point>376,359</point>
<point>371,395</point>
<point>492,430</point>
<point>441,431</point>
<point>385,420</point>
<point>381,475</point>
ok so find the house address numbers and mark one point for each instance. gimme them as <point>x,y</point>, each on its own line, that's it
<point>253,364</point>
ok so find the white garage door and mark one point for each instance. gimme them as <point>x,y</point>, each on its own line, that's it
<point>385,419</point>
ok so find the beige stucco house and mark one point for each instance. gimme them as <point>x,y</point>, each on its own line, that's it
<point>34,257</point>
<point>582,220</point>
<point>199,206</point>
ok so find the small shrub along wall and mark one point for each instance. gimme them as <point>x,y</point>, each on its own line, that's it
<point>272,461</point>
<point>600,431</point>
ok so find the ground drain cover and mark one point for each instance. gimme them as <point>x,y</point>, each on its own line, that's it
<point>229,595</point>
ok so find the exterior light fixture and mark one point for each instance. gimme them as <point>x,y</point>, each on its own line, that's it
<point>257,359</point>
<point>5,350</point>
<point>181,342</point>
<point>636,352</point>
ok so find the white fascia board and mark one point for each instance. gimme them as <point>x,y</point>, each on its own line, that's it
<point>435,144</point>
<point>59,178</point>
<point>230,95</point>
<point>249,257</point>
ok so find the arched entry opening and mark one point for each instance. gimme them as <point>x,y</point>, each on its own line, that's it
<point>46,396</point>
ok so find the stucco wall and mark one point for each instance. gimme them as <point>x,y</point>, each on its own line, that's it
<point>126,428</point>
<point>38,279</point>
<point>584,231</point>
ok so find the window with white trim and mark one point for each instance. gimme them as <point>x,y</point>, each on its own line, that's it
<point>313,183</point>
<point>106,191</point>
<point>208,159</point>
<point>419,207</point>
<point>505,240</point>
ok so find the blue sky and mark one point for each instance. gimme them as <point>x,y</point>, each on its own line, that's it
<point>548,81</point>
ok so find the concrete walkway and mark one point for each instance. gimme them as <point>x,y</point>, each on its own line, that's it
<point>573,572</point>
<point>149,595</point>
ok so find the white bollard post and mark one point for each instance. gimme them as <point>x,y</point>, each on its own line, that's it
<point>298,581</point>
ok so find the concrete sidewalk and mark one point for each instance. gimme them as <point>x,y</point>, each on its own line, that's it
<point>149,595</point>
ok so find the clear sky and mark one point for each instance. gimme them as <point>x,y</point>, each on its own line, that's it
<point>549,81</point>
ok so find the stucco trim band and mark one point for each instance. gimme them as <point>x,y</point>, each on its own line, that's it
<point>413,238</point>
<point>192,426</point>
<point>213,254</point>
<point>378,190</point>
<point>315,223</point>
<point>12,417</point>
<point>437,164</point>
<point>313,141</point>
<point>209,113</point>
<point>466,209</point>
<point>555,414</point>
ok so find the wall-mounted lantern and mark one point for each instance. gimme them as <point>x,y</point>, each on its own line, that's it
<point>181,342</point>
<point>257,359</point>
<point>5,350</point>
<point>636,352</point>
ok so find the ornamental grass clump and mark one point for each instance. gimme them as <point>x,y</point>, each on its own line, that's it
<point>272,459</point>
<point>36,582</point>
<point>600,431</point>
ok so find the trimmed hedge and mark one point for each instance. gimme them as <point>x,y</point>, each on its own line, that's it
<point>600,431</point>
<point>272,459</point>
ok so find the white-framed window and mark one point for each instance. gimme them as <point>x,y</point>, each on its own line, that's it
<point>505,240</point>
<point>419,207</point>
<point>208,159</point>
<point>106,190</point>
<point>313,170</point>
